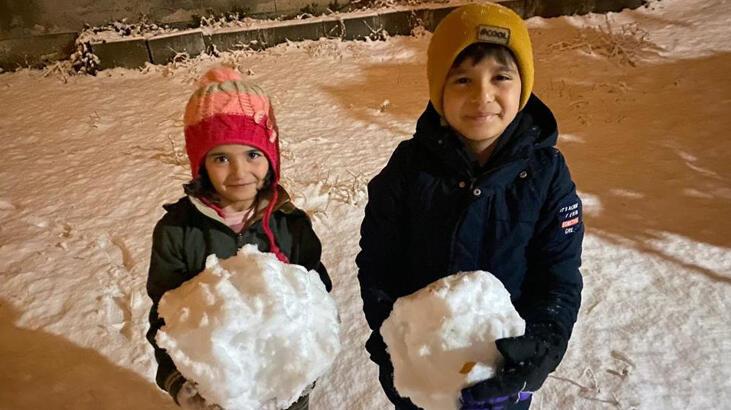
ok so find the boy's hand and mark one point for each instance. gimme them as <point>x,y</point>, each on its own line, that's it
<point>496,403</point>
<point>528,361</point>
<point>189,399</point>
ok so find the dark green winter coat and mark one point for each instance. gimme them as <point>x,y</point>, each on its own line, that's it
<point>190,231</point>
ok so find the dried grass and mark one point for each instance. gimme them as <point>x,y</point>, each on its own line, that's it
<point>625,43</point>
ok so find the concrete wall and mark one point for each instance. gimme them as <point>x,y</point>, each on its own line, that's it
<point>23,18</point>
<point>53,25</point>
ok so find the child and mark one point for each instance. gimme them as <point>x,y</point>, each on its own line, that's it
<point>234,199</point>
<point>480,186</point>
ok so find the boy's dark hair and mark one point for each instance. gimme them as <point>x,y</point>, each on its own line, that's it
<point>478,51</point>
<point>202,187</point>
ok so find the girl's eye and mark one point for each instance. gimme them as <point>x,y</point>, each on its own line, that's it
<point>503,77</point>
<point>220,159</point>
<point>254,154</point>
<point>462,80</point>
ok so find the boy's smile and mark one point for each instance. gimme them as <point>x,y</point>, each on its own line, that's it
<point>481,100</point>
<point>237,172</point>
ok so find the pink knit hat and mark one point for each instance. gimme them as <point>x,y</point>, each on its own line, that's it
<point>225,109</point>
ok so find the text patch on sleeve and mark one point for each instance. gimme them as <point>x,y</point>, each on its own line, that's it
<point>569,216</point>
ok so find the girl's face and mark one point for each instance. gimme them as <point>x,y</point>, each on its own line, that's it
<point>237,172</point>
<point>480,100</point>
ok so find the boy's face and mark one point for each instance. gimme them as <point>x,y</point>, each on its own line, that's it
<point>237,172</point>
<point>480,100</point>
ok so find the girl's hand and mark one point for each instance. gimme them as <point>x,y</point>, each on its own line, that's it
<point>189,399</point>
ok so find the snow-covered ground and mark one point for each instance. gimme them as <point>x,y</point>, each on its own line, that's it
<point>643,102</point>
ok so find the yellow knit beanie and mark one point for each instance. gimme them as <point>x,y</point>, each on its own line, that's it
<point>475,23</point>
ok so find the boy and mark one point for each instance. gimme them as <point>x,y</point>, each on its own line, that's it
<point>479,187</point>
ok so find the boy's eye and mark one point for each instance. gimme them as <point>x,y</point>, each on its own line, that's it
<point>503,77</point>
<point>462,80</point>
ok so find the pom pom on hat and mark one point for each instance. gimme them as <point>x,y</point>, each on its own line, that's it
<point>218,75</point>
<point>475,23</point>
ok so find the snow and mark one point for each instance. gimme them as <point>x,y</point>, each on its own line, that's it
<point>88,162</point>
<point>250,331</point>
<point>442,337</point>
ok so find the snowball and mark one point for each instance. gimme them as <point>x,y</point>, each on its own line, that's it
<point>441,338</point>
<point>251,331</point>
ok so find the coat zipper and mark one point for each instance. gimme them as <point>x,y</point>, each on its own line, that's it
<point>460,219</point>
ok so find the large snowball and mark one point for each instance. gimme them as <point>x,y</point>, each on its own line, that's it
<point>252,331</point>
<point>441,338</point>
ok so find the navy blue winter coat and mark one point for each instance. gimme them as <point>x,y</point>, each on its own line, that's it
<point>433,211</point>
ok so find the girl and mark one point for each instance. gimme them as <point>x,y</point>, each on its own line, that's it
<point>234,199</point>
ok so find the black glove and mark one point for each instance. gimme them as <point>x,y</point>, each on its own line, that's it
<point>528,361</point>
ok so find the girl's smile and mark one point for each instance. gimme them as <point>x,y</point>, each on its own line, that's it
<point>237,173</point>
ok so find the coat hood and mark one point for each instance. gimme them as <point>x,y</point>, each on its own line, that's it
<point>533,128</point>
